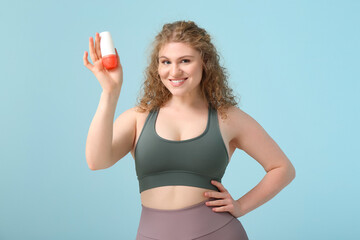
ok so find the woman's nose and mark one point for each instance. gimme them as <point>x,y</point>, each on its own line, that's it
<point>175,70</point>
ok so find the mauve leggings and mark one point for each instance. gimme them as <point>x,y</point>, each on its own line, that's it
<point>198,221</point>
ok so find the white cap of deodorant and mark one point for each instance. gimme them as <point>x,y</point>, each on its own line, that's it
<point>106,44</point>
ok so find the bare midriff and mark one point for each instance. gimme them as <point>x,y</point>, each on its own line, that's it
<point>173,197</point>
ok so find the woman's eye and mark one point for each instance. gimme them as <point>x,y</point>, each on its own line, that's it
<point>165,61</point>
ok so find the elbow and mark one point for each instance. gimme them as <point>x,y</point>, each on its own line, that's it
<point>291,172</point>
<point>288,171</point>
<point>96,163</point>
<point>91,164</point>
<point>294,174</point>
<point>92,167</point>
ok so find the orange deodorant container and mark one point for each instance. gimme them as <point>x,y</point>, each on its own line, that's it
<point>108,53</point>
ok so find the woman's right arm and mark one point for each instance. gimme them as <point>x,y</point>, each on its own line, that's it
<point>99,144</point>
<point>99,140</point>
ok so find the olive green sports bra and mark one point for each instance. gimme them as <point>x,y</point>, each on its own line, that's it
<point>191,162</point>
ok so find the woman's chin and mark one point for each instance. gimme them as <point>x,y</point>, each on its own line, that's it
<point>177,93</point>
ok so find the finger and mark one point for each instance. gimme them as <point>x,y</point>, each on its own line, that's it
<point>219,185</point>
<point>86,62</point>
<point>220,209</point>
<point>214,194</point>
<point>92,51</point>
<point>216,203</point>
<point>97,46</point>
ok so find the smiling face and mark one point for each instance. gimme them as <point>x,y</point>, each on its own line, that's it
<point>179,61</point>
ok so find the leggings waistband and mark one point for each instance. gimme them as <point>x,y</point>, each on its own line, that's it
<point>189,222</point>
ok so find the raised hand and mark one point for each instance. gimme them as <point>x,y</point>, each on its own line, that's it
<point>110,80</point>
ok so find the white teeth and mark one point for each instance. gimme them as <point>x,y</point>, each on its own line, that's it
<point>177,81</point>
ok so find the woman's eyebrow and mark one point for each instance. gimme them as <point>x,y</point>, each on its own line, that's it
<point>179,57</point>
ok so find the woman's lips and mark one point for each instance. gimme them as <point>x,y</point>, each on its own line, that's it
<point>178,79</point>
<point>177,84</point>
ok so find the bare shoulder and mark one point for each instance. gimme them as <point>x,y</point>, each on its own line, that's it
<point>139,112</point>
<point>243,126</point>
<point>140,115</point>
<point>127,119</point>
<point>130,113</point>
<point>234,115</point>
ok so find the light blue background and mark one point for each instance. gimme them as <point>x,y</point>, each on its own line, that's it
<point>294,65</point>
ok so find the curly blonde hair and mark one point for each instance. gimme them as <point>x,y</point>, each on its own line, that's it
<point>214,84</point>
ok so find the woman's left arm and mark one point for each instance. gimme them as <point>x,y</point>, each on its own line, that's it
<point>254,140</point>
<point>250,137</point>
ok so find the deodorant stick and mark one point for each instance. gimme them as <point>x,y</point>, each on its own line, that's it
<point>108,53</point>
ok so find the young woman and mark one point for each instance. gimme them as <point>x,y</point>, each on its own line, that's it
<point>182,134</point>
